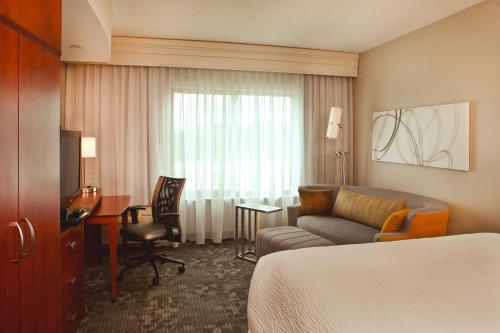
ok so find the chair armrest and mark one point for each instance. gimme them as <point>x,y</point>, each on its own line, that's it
<point>293,214</point>
<point>419,225</point>
<point>172,226</point>
<point>138,207</point>
<point>134,212</point>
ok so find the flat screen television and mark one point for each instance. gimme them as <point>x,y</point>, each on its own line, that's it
<point>70,166</point>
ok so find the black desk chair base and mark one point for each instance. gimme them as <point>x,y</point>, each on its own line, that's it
<point>151,257</point>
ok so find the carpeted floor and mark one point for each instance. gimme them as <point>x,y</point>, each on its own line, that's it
<point>211,296</point>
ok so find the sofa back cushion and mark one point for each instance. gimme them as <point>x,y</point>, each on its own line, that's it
<point>315,202</point>
<point>365,209</point>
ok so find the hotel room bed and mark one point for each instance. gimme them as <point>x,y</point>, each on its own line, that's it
<point>446,284</point>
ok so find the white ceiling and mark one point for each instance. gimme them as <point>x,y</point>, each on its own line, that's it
<point>342,25</point>
<point>86,30</point>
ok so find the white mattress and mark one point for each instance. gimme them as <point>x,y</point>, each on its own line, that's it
<point>446,284</point>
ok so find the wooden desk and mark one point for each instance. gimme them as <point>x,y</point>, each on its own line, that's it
<point>89,201</point>
<point>110,212</point>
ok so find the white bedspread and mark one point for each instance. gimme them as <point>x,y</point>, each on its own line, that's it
<point>446,284</point>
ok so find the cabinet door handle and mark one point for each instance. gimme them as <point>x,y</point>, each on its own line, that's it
<point>72,245</point>
<point>21,241</point>
<point>71,317</point>
<point>32,239</point>
<point>72,281</point>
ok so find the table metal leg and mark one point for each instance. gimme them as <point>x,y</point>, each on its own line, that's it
<point>236,223</point>
<point>255,226</point>
<point>242,223</point>
<point>245,253</point>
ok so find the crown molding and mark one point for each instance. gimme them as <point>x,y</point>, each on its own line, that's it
<point>232,56</point>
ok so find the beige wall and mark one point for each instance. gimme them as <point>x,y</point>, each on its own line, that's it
<point>456,59</point>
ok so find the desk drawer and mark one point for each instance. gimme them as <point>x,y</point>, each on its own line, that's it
<point>73,296</point>
<point>72,246</point>
<point>72,315</point>
<point>72,272</point>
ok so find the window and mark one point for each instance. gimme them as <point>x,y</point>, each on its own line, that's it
<point>233,145</point>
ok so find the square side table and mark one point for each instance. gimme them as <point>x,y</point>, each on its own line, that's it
<point>255,208</point>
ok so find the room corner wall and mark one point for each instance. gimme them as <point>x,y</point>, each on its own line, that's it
<point>453,60</point>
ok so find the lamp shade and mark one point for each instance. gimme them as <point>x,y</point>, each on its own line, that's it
<point>334,122</point>
<point>88,147</point>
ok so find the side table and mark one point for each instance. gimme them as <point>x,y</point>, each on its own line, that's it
<point>256,208</point>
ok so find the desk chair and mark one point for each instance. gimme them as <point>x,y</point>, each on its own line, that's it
<point>165,225</point>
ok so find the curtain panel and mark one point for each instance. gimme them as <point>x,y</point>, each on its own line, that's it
<point>236,137</point>
<point>320,94</point>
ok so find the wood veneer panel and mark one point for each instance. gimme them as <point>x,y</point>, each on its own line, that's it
<point>87,200</point>
<point>9,243</point>
<point>42,18</point>
<point>112,206</point>
<point>39,186</point>
<point>10,9</point>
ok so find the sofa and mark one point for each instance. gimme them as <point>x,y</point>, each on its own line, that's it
<point>427,218</point>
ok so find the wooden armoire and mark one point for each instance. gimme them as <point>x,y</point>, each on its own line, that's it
<point>30,286</point>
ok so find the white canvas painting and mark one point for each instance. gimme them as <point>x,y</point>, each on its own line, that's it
<point>434,136</point>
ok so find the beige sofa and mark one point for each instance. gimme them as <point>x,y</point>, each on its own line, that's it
<point>427,218</point>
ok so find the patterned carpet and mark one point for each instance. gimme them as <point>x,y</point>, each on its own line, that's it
<point>211,296</point>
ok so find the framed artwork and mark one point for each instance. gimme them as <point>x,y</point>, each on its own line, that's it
<point>433,136</point>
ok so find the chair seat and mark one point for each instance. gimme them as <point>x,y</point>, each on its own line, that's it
<point>144,232</point>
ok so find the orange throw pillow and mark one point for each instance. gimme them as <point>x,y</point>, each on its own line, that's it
<point>315,202</point>
<point>395,221</point>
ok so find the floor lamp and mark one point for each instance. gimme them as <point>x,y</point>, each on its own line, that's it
<point>333,132</point>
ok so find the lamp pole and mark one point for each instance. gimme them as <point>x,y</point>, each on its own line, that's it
<point>342,157</point>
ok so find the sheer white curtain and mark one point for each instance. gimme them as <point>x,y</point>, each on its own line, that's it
<point>236,136</point>
<point>111,104</point>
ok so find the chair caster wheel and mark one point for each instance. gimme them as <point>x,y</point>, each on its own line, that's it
<point>181,269</point>
<point>156,281</point>
<point>120,278</point>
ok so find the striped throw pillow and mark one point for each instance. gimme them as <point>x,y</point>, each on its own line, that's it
<point>365,209</point>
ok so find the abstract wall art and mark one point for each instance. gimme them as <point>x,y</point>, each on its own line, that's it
<point>433,136</point>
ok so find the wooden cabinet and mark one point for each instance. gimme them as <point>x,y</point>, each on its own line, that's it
<point>42,18</point>
<point>9,234</point>
<point>30,270</point>
<point>72,259</point>
<point>39,185</point>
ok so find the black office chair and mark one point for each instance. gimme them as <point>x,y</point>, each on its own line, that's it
<point>165,225</point>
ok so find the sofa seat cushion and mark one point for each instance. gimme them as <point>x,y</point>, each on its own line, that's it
<point>337,230</point>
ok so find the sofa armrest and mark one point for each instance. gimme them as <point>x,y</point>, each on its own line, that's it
<point>293,214</point>
<point>419,225</point>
